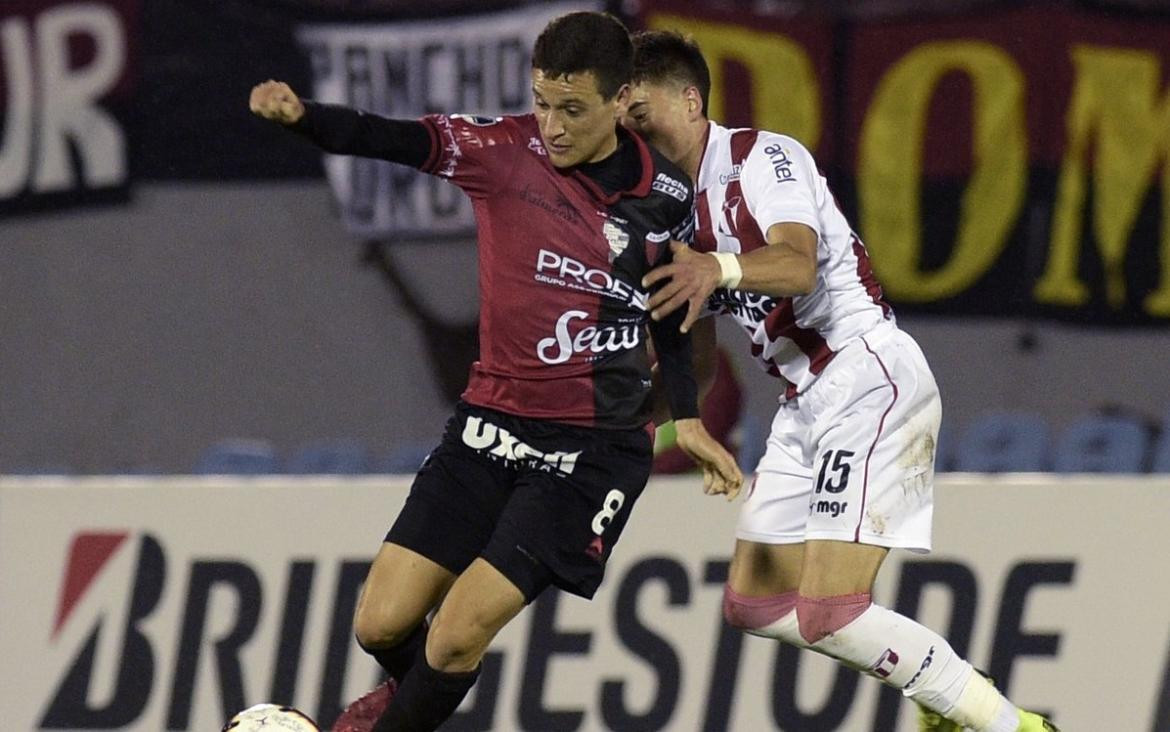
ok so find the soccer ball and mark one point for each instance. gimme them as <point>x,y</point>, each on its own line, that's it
<point>271,718</point>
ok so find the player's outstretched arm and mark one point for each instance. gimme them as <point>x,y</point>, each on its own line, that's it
<point>785,268</point>
<point>276,101</point>
<point>689,279</point>
<point>343,130</point>
<point>721,474</point>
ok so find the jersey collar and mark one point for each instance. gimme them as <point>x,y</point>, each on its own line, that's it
<point>706,150</point>
<point>640,190</point>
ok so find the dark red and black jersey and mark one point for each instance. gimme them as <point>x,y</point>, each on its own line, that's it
<point>562,310</point>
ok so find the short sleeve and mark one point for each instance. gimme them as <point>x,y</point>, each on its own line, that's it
<point>780,183</point>
<point>475,153</point>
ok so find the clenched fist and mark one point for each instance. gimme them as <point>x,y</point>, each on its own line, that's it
<point>276,101</point>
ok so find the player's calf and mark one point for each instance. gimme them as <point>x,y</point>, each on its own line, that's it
<point>822,616</point>
<point>757,615</point>
<point>905,655</point>
<point>425,699</point>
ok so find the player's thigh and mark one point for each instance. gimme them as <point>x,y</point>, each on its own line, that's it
<point>877,414</point>
<point>834,568</point>
<point>401,587</point>
<point>455,498</point>
<point>480,602</point>
<point>560,527</point>
<point>762,570</point>
<point>775,508</point>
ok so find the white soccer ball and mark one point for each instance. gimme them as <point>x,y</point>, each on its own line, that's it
<point>271,718</point>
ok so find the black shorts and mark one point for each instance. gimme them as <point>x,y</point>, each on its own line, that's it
<point>542,502</point>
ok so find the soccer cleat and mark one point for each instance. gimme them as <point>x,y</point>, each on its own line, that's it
<point>929,721</point>
<point>361,715</point>
<point>1030,722</point>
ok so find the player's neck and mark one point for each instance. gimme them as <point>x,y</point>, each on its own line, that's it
<point>692,156</point>
<point>609,147</point>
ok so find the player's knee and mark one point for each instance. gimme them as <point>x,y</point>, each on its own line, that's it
<point>820,617</point>
<point>753,613</point>
<point>377,632</point>
<point>454,646</point>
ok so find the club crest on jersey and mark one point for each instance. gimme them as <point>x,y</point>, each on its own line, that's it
<point>618,239</point>
<point>536,146</point>
<point>727,225</point>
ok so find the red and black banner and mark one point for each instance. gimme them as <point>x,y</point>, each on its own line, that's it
<point>1011,161</point>
<point>66,70</point>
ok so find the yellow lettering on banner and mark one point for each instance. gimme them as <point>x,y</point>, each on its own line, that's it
<point>1115,104</point>
<point>785,95</point>
<point>890,167</point>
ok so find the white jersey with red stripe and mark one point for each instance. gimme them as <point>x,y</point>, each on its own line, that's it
<point>749,180</point>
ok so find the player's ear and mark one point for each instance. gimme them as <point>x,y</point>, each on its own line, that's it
<point>694,102</point>
<point>622,101</point>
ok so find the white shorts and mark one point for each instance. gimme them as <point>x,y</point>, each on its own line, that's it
<point>852,458</point>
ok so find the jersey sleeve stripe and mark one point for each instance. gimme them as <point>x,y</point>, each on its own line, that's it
<point>744,224</point>
<point>742,142</point>
<point>746,229</point>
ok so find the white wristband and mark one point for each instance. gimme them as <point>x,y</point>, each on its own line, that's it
<point>729,268</point>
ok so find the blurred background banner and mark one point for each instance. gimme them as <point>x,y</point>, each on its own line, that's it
<point>475,64</point>
<point>1004,162</point>
<point>1012,160</point>
<point>66,76</point>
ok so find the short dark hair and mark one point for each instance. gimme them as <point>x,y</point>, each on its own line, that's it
<point>662,55</point>
<point>586,41</point>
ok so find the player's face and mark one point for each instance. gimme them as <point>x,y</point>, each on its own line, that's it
<point>659,113</point>
<point>576,124</point>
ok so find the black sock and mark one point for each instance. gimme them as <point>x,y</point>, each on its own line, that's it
<point>399,659</point>
<point>425,699</point>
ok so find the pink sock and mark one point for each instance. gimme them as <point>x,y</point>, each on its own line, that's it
<point>752,613</point>
<point>823,616</point>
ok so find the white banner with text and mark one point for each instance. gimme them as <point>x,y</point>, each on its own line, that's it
<point>474,64</point>
<point>153,604</point>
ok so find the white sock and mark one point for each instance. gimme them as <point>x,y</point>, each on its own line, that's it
<point>947,685</point>
<point>922,665</point>
<point>786,629</point>
<point>982,708</point>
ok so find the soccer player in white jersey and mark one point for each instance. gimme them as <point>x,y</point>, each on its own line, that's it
<point>849,468</point>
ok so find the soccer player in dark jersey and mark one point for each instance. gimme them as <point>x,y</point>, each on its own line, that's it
<point>550,445</point>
